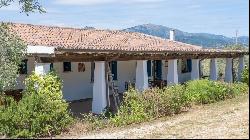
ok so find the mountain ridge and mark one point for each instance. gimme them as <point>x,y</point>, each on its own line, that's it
<point>206,40</point>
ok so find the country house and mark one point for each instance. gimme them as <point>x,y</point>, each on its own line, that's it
<point>90,61</point>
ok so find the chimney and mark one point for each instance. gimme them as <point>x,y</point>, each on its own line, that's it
<point>172,35</point>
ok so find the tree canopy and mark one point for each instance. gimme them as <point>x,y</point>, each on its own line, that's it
<point>26,6</point>
<point>12,51</point>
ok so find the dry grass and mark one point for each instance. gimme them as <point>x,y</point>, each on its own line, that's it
<point>225,119</point>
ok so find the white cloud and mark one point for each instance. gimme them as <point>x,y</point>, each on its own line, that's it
<point>97,2</point>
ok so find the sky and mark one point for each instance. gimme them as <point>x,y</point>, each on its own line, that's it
<point>222,17</point>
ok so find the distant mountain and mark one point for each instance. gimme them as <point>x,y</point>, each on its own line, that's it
<point>202,39</point>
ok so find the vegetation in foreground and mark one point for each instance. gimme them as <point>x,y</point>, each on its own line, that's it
<point>41,111</point>
<point>155,103</point>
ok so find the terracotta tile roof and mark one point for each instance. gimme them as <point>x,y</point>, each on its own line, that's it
<point>93,39</point>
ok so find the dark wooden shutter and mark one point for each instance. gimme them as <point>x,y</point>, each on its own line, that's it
<point>149,68</point>
<point>114,69</point>
<point>158,69</point>
<point>51,66</point>
<point>92,71</point>
<point>189,65</point>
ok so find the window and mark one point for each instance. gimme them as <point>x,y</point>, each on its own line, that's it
<point>92,71</point>
<point>51,66</point>
<point>158,69</point>
<point>23,67</point>
<point>149,69</point>
<point>186,65</point>
<point>114,69</point>
<point>66,66</point>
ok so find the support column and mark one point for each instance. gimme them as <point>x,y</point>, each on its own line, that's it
<point>228,70</point>
<point>213,69</point>
<point>141,75</point>
<point>42,68</point>
<point>195,69</point>
<point>172,77</point>
<point>99,88</point>
<point>241,67</point>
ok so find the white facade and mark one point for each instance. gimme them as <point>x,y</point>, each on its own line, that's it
<point>78,85</point>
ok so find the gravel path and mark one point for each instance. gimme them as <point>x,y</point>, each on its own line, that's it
<point>227,119</point>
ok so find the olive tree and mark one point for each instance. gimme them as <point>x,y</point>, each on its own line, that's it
<point>26,6</point>
<point>12,51</point>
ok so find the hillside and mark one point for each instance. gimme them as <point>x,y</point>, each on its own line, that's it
<point>202,39</point>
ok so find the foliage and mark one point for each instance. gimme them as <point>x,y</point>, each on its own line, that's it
<point>27,6</point>
<point>154,103</point>
<point>205,91</point>
<point>41,111</point>
<point>11,53</point>
<point>245,76</point>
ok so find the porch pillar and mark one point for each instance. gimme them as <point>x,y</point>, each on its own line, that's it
<point>99,88</point>
<point>241,67</point>
<point>172,76</point>
<point>213,69</point>
<point>42,68</point>
<point>141,75</point>
<point>228,70</point>
<point>195,69</point>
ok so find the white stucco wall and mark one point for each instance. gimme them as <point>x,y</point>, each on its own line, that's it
<point>77,85</point>
<point>126,72</point>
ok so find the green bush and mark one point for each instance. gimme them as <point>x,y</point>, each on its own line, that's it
<point>245,76</point>
<point>154,103</point>
<point>41,111</point>
<point>132,110</point>
<point>205,91</point>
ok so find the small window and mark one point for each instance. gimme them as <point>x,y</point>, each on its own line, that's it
<point>23,67</point>
<point>66,66</point>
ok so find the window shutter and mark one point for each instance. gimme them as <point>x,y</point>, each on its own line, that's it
<point>51,66</point>
<point>114,69</point>
<point>189,65</point>
<point>149,68</point>
<point>158,69</point>
<point>23,67</point>
<point>92,71</point>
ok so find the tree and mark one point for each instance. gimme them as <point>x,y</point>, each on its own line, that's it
<point>27,6</point>
<point>12,51</point>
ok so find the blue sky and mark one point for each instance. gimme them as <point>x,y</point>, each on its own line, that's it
<point>221,17</point>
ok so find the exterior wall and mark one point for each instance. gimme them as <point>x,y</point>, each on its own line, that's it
<point>126,72</point>
<point>78,85</point>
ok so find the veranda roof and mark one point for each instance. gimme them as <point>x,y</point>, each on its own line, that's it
<point>106,42</point>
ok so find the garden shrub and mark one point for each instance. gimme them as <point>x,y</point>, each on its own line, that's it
<point>41,111</point>
<point>154,103</point>
<point>132,109</point>
<point>245,76</point>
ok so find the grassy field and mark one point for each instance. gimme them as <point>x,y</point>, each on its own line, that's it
<point>224,119</point>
